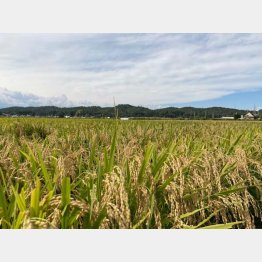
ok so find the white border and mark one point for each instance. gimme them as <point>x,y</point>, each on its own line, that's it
<point>130,245</point>
<point>118,16</point>
<point>101,16</point>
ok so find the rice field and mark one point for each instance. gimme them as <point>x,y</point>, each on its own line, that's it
<point>143,174</point>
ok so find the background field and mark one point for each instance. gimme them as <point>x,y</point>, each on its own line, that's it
<point>79,173</point>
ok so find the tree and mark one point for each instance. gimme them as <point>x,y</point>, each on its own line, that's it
<point>61,114</point>
<point>237,116</point>
<point>79,113</point>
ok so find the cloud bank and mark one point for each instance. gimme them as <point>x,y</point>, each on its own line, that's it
<point>139,69</point>
<point>13,98</point>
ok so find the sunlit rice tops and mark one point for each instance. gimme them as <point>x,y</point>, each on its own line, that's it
<point>80,173</point>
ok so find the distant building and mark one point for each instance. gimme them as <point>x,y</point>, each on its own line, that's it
<point>249,116</point>
<point>227,117</point>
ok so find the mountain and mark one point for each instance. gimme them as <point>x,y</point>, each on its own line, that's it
<point>125,111</point>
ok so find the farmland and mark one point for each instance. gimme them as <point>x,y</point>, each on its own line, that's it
<point>88,173</point>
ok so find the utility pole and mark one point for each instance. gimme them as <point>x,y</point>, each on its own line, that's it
<point>255,110</point>
<point>116,110</point>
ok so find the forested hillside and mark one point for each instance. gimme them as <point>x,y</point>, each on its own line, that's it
<point>125,111</point>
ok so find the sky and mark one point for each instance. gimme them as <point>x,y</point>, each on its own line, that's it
<point>152,70</point>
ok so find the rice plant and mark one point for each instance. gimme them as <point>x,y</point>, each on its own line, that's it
<point>87,173</point>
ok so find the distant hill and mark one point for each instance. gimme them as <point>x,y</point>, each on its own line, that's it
<point>124,111</point>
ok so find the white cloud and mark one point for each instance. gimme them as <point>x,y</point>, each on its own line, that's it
<point>10,98</point>
<point>138,69</point>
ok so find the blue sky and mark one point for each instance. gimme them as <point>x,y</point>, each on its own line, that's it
<point>153,70</point>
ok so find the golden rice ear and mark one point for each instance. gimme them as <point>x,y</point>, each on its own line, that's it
<point>95,173</point>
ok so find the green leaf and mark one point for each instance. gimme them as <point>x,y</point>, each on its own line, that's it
<point>222,226</point>
<point>167,182</point>
<point>66,191</point>
<point>141,221</point>
<point>231,148</point>
<point>162,159</point>
<point>207,219</point>
<point>19,220</point>
<point>92,153</point>
<point>192,213</point>
<point>228,167</point>
<point>100,218</point>
<point>147,156</point>
<point>20,199</point>
<point>44,171</point>
<point>35,198</point>
<point>73,216</point>
<point>112,152</point>
<point>3,202</point>
<point>231,190</point>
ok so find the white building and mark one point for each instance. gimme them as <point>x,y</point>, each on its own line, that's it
<point>227,117</point>
<point>249,116</point>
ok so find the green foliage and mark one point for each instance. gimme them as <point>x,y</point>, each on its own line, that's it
<point>125,111</point>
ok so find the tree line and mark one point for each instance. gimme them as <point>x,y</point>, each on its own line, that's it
<point>125,111</point>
